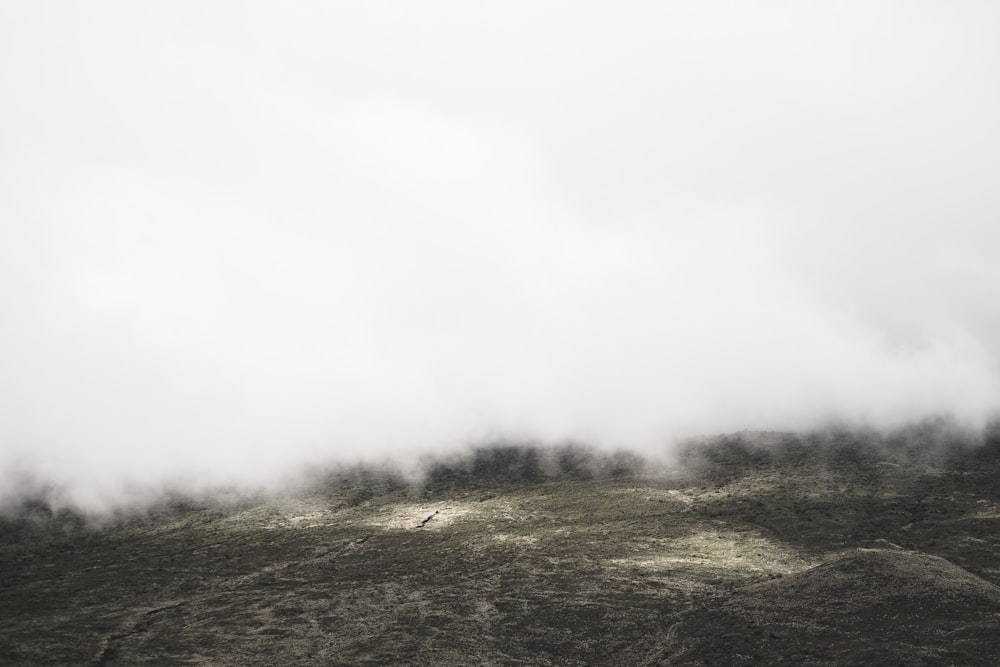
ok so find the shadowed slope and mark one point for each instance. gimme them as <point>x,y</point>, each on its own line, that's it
<point>871,607</point>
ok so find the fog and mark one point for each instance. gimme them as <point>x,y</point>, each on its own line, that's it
<point>239,238</point>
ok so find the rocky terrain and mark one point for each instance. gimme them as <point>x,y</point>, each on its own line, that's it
<point>841,547</point>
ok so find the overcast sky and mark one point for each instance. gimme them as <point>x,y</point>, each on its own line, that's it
<point>237,237</point>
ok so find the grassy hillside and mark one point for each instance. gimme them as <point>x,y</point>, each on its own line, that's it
<point>837,548</point>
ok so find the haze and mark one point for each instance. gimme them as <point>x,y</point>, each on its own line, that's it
<point>238,238</point>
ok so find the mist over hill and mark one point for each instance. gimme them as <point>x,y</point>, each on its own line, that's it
<point>391,332</point>
<point>236,240</point>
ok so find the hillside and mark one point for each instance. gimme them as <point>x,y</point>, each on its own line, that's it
<point>870,607</point>
<point>840,548</point>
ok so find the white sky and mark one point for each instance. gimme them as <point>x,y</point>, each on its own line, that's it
<point>236,237</point>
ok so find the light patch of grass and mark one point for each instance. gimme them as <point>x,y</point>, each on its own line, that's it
<point>734,554</point>
<point>411,515</point>
<point>517,540</point>
<point>985,510</point>
<point>656,495</point>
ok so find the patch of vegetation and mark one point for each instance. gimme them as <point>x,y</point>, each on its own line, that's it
<point>506,465</point>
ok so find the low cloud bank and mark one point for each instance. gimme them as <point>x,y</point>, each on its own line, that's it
<point>217,267</point>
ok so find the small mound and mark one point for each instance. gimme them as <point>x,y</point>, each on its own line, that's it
<point>872,607</point>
